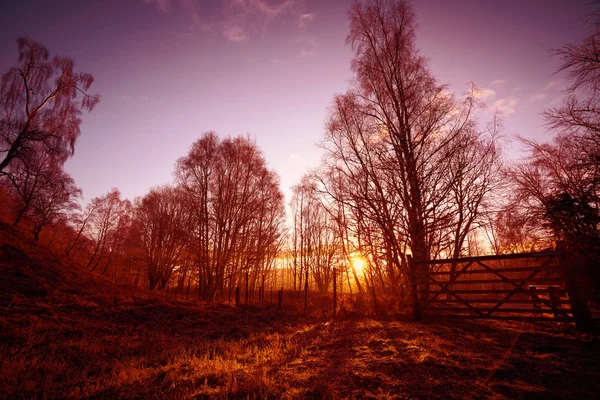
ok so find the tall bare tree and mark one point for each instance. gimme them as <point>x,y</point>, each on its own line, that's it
<point>405,160</point>
<point>237,208</point>
<point>560,182</point>
<point>41,101</point>
<point>163,221</point>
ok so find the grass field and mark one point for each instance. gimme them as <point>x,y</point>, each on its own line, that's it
<point>67,334</point>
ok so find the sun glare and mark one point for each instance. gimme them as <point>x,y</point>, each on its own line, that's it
<point>358,263</point>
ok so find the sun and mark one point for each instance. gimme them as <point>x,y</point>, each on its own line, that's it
<point>358,263</point>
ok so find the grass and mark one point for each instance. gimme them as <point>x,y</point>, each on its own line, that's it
<point>67,334</point>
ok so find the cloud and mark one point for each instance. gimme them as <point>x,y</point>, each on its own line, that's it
<point>294,156</point>
<point>554,83</point>
<point>516,89</point>
<point>537,97</point>
<point>305,19</point>
<point>482,94</point>
<point>234,34</point>
<point>308,46</point>
<point>506,106</point>
<point>245,18</point>
<point>191,9</point>
<point>497,82</point>
<point>307,53</point>
<point>161,5</point>
<point>237,20</point>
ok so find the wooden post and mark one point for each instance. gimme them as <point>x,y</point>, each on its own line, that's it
<point>579,305</point>
<point>229,291</point>
<point>306,291</point>
<point>262,289</point>
<point>414,287</point>
<point>237,296</point>
<point>279,298</point>
<point>247,293</point>
<point>334,292</point>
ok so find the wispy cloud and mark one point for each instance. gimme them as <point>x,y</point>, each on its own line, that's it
<point>307,53</point>
<point>191,8</point>
<point>516,89</point>
<point>497,82</point>
<point>537,97</point>
<point>235,33</point>
<point>161,5</point>
<point>305,19</point>
<point>482,94</point>
<point>506,106</point>
<point>554,83</point>
<point>309,46</point>
<point>239,20</point>
<point>246,18</point>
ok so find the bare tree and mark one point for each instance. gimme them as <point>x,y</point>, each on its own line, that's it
<point>44,192</point>
<point>560,182</point>
<point>41,101</point>
<point>318,241</point>
<point>163,222</point>
<point>405,160</point>
<point>105,228</point>
<point>237,208</point>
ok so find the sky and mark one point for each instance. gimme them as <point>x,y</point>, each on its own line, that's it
<point>169,70</point>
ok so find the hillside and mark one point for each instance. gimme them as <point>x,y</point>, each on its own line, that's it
<point>67,333</point>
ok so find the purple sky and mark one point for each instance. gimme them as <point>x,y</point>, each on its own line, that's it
<point>169,70</point>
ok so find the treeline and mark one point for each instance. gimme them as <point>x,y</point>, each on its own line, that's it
<point>409,171</point>
<point>222,217</point>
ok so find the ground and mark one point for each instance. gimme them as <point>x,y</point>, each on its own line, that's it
<point>67,334</point>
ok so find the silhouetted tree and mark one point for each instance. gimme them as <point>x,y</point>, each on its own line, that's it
<point>41,101</point>
<point>163,223</point>
<point>404,158</point>
<point>43,192</point>
<point>237,211</point>
<point>106,228</point>
<point>318,242</point>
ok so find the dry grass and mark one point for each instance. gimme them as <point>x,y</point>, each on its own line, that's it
<point>65,334</point>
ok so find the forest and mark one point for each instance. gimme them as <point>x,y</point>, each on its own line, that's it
<point>411,173</point>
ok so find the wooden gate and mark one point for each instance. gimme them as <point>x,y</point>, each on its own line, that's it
<point>533,286</point>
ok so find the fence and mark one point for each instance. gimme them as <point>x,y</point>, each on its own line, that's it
<point>532,286</point>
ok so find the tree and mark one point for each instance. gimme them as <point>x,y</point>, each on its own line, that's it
<point>414,116</point>
<point>106,227</point>
<point>163,222</point>
<point>560,182</point>
<point>405,160</point>
<point>41,101</point>
<point>44,193</point>
<point>559,185</point>
<point>237,211</point>
<point>317,244</point>
<point>580,112</point>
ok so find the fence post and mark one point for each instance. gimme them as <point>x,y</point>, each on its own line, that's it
<point>279,298</point>
<point>334,292</point>
<point>237,296</point>
<point>579,305</point>
<point>414,287</point>
<point>262,289</point>
<point>306,291</point>
<point>247,288</point>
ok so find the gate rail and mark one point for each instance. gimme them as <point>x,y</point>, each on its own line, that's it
<point>532,286</point>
